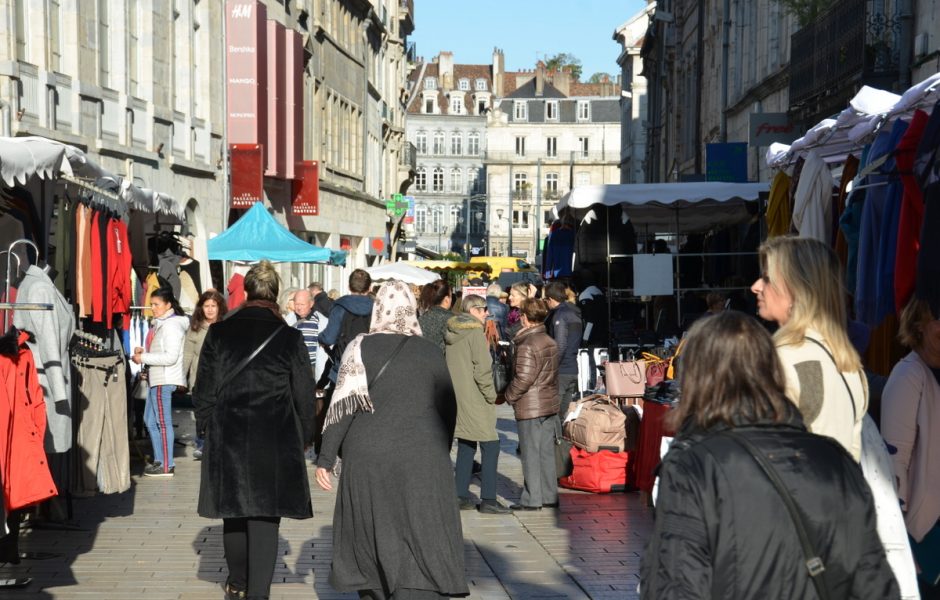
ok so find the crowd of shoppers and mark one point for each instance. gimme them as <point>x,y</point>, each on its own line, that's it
<point>778,482</point>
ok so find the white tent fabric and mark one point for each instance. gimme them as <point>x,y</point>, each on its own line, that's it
<point>402,272</point>
<point>23,157</point>
<point>671,207</point>
<point>868,112</point>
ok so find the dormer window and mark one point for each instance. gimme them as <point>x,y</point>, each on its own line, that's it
<point>520,110</point>
<point>464,85</point>
<point>481,85</point>
<point>551,110</point>
<point>430,83</point>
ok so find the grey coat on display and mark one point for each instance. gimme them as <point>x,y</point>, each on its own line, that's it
<point>53,332</point>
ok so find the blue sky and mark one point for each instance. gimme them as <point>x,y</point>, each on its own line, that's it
<point>526,30</point>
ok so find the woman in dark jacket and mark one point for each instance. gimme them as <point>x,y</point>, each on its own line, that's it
<point>722,528</point>
<point>436,302</point>
<point>256,420</point>
<point>396,529</point>
<point>533,394</point>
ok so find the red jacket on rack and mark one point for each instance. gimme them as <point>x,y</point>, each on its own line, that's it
<point>119,273</point>
<point>23,467</point>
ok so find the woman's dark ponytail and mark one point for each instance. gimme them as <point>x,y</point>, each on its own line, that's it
<point>166,294</point>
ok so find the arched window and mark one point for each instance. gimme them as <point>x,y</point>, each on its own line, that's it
<point>437,179</point>
<point>421,142</point>
<point>421,218</point>
<point>456,143</point>
<point>421,180</point>
<point>438,143</point>
<point>473,143</point>
<point>456,180</point>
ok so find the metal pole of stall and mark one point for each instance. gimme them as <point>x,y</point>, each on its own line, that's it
<point>510,211</point>
<point>467,229</point>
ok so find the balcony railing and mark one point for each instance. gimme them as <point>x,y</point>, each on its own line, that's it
<point>851,40</point>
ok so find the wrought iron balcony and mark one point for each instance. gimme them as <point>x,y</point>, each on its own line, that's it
<point>852,41</point>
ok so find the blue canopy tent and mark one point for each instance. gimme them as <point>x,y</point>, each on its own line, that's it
<point>257,236</point>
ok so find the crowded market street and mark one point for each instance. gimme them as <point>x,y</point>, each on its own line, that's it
<point>149,543</point>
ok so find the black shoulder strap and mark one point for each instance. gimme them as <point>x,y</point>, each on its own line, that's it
<point>847,388</point>
<point>244,362</point>
<point>391,357</point>
<point>814,564</point>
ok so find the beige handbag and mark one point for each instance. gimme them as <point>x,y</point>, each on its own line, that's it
<point>626,378</point>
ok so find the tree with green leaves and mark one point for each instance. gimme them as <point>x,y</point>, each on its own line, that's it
<point>563,59</point>
<point>806,10</point>
<point>600,77</point>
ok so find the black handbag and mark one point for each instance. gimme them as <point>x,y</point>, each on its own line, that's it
<point>502,366</point>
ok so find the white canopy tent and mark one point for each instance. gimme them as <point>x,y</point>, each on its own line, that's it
<point>671,207</point>
<point>23,157</point>
<point>402,272</point>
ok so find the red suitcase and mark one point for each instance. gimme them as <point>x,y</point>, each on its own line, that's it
<point>598,472</point>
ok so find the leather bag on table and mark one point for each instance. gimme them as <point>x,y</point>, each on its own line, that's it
<point>594,423</point>
<point>626,378</point>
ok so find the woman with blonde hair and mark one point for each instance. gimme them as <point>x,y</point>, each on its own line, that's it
<point>286,304</point>
<point>801,289</point>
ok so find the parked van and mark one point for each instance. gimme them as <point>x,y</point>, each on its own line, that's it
<point>500,264</point>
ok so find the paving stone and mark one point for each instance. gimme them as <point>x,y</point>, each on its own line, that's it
<point>149,543</point>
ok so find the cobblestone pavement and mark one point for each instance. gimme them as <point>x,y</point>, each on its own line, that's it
<point>149,543</point>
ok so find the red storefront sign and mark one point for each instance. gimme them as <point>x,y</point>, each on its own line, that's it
<point>307,189</point>
<point>247,174</point>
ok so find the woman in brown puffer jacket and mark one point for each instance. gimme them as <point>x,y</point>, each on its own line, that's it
<point>533,395</point>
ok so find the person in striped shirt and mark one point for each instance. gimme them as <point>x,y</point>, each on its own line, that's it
<point>308,323</point>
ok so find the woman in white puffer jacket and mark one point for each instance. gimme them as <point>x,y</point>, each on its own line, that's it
<point>164,359</point>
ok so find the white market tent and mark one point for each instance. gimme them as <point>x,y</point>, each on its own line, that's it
<point>23,157</point>
<point>671,207</point>
<point>402,272</point>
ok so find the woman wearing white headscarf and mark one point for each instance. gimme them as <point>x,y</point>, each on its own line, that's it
<point>392,417</point>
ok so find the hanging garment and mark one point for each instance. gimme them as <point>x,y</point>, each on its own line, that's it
<point>912,212</point>
<point>192,267</point>
<point>23,470</point>
<point>236,291</point>
<point>53,332</point>
<point>927,171</point>
<point>189,295</point>
<point>870,236</point>
<point>812,202</point>
<point>849,170</point>
<point>169,270</point>
<point>153,284</point>
<point>63,242</point>
<point>888,245</point>
<point>104,454</point>
<point>118,300</point>
<point>779,209</point>
<point>559,251</point>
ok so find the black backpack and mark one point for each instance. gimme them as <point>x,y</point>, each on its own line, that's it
<point>351,326</point>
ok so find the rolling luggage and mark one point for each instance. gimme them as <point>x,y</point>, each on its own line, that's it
<point>594,423</point>
<point>598,472</point>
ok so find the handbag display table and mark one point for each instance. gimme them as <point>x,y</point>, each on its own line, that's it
<point>652,430</point>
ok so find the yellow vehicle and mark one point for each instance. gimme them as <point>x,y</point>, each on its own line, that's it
<point>500,264</point>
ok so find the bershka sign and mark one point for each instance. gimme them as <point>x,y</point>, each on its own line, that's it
<point>767,128</point>
<point>246,66</point>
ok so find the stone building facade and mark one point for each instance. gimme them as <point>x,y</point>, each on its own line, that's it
<point>141,87</point>
<point>633,97</point>
<point>447,126</point>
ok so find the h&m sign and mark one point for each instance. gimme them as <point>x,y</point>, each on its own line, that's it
<point>767,128</point>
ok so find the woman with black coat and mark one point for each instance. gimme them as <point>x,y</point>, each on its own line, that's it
<point>257,420</point>
<point>722,528</point>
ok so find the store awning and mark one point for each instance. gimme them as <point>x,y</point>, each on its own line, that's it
<point>24,157</point>
<point>671,207</point>
<point>402,272</point>
<point>257,236</point>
